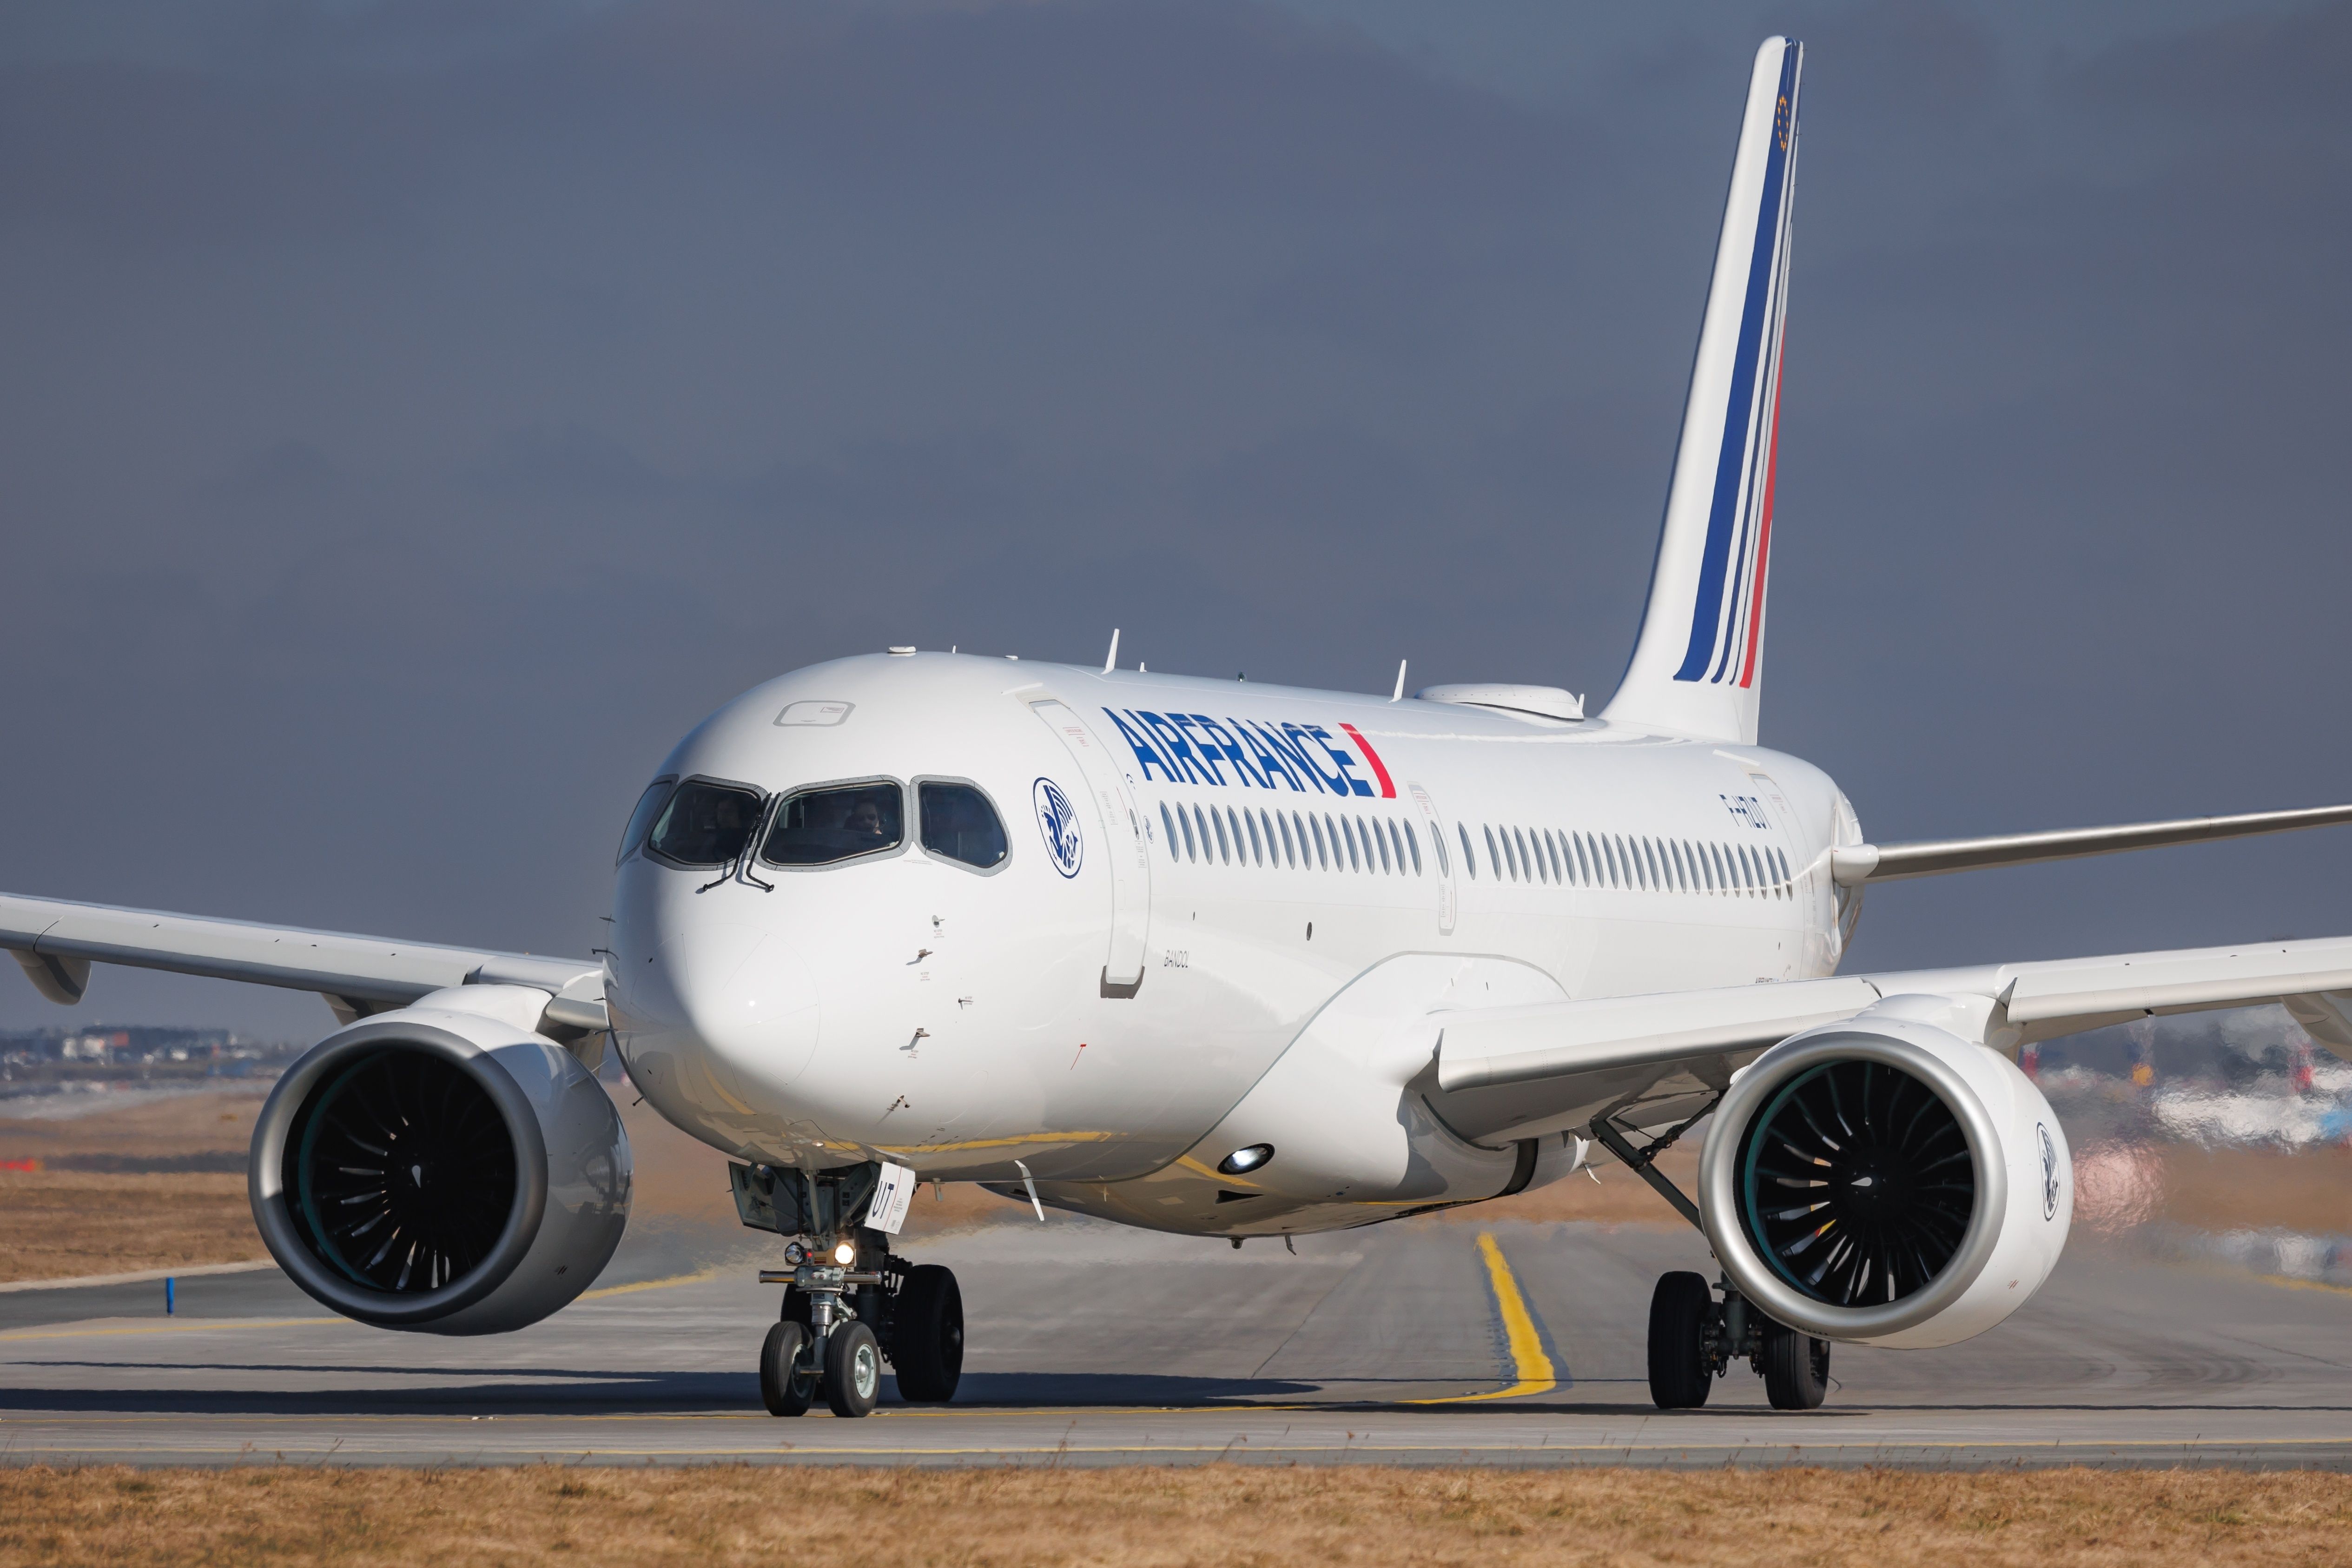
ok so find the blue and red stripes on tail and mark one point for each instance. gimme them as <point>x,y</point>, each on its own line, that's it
<point>1697,665</point>
<point>1726,617</point>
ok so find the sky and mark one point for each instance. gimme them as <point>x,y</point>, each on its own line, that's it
<point>414,417</point>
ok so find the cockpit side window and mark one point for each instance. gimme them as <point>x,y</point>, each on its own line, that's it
<point>705,824</point>
<point>958,824</point>
<point>642,819</point>
<point>821,826</point>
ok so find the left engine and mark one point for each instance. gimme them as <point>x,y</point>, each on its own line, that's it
<point>1887,1180</point>
<point>443,1167</point>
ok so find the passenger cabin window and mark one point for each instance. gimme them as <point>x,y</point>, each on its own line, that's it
<point>705,824</point>
<point>823,826</point>
<point>642,818</point>
<point>958,824</point>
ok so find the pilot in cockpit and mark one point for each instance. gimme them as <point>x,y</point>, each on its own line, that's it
<point>864,823</point>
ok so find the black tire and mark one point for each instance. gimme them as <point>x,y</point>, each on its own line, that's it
<point>786,1385</point>
<point>853,1369</point>
<point>1680,1310</point>
<point>927,1335</point>
<point>1796,1369</point>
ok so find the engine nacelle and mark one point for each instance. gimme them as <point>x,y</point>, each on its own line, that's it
<point>442,1168</point>
<point>1884,1181</point>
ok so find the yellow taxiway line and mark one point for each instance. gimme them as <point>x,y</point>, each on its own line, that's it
<point>695,1278</point>
<point>1530,1367</point>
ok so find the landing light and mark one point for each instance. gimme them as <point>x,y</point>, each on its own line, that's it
<point>845,1255</point>
<point>1248,1158</point>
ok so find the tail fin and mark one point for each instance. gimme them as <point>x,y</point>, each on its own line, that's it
<point>1697,663</point>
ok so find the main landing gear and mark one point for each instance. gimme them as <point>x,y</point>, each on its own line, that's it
<point>1694,1338</point>
<point>840,1323</point>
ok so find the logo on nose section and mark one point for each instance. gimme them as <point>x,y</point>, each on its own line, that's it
<point>1058,821</point>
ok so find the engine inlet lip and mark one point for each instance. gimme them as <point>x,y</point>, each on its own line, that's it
<point>1718,1184</point>
<point>264,1173</point>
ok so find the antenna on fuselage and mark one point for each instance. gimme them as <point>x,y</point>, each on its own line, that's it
<point>1398,696</point>
<point>1110,660</point>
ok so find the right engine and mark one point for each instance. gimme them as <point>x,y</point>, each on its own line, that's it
<point>1885,1179</point>
<point>444,1167</point>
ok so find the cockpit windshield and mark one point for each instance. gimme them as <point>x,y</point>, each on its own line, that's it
<point>641,819</point>
<point>819,826</point>
<point>960,824</point>
<point>705,824</point>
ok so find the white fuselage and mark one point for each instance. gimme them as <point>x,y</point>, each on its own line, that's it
<point>1109,1013</point>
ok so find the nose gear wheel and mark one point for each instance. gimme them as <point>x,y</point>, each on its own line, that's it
<point>787,1387</point>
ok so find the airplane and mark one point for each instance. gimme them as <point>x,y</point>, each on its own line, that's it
<point>1233,959</point>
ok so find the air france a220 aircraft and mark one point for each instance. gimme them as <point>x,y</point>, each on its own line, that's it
<point>1232,960</point>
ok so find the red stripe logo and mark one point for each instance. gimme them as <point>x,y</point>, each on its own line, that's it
<point>1380,770</point>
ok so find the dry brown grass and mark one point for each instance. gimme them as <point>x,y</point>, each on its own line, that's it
<point>54,1225</point>
<point>180,1125</point>
<point>2224,1189</point>
<point>60,1224</point>
<point>1232,1517</point>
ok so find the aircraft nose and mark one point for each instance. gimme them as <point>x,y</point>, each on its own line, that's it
<point>737,995</point>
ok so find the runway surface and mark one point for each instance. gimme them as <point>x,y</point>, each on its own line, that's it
<point>1089,1344</point>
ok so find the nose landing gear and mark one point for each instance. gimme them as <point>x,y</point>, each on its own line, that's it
<point>838,1324</point>
<point>844,1313</point>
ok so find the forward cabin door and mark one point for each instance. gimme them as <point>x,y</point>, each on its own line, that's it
<point>1124,845</point>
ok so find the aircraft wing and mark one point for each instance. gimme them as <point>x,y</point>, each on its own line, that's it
<point>57,941</point>
<point>1858,865</point>
<point>1621,1040</point>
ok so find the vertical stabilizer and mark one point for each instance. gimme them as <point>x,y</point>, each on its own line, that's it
<point>1697,666</point>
